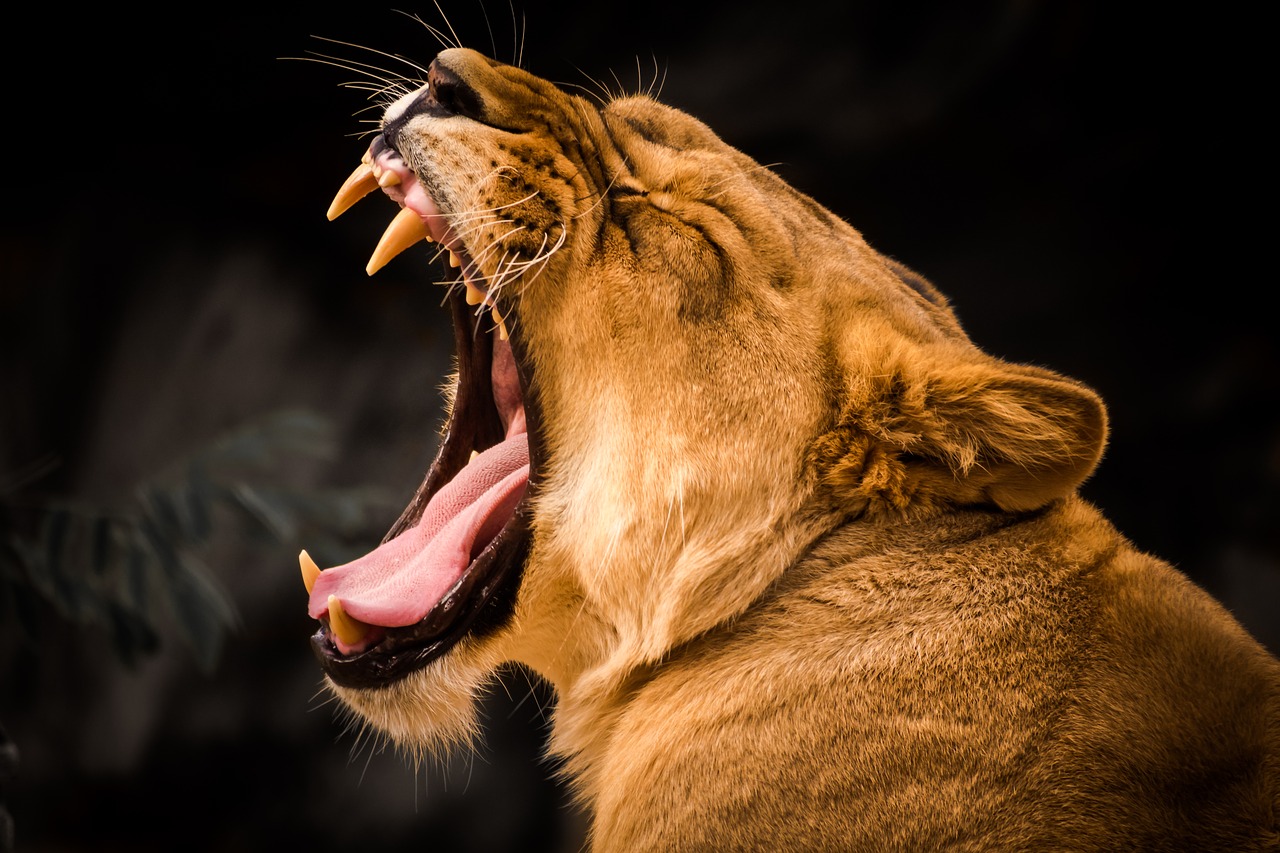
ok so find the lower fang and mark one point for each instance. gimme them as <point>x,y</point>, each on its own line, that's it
<point>310,571</point>
<point>351,631</point>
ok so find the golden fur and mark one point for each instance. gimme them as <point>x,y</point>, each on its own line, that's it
<point>809,570</point>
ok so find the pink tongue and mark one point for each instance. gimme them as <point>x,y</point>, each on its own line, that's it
<point>400,581</point>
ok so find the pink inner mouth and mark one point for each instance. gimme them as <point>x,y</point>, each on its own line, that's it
<point>409,192</point>
<point>399,582</point>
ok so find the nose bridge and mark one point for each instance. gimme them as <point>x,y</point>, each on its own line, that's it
<point>466,83</point>
<point>468,69</point>
<point>464,61</point>
<point>453,90</point>
<point>504,93</point>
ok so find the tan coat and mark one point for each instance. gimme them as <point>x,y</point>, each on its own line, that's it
<point>807,569</point>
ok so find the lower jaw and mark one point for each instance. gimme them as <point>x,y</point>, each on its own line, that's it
<point>480,604</point>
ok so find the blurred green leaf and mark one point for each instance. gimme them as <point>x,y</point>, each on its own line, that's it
<point>131,634</point>
<point>126,572</point>
<point>101,552</point>
<point>203,612</point>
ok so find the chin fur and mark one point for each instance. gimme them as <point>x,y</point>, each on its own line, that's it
<point>431,712</point>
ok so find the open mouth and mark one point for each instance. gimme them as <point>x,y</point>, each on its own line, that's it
<point>451,565</point>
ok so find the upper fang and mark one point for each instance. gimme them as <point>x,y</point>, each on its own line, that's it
<point>405,230</point>
<point>360,183</point>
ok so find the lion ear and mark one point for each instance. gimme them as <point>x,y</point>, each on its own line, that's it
<point>1019,436</point>
<point>976,432</point>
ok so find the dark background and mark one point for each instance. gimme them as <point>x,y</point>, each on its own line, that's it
<point>194,358</point>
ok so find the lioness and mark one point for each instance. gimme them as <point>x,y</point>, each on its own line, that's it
<point>806,568</point>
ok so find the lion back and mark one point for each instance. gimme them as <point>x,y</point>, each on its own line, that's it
<point>971,682</point>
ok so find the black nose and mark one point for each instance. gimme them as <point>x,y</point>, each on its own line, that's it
<point>378,145</point>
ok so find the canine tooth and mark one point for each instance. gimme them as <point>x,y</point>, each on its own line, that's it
<point>405,230</point>
<point>454,260</point>
<point>389,178</point>
<point>350,630</point>
<point>474,296</point>
<point>360,183</point>
<point>502,323</point>
<point>473,456</point>
<point>310,571</point>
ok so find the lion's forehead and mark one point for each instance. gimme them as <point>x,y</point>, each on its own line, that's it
<point>537,167</point>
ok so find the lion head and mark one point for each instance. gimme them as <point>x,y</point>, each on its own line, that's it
<point>675,374</point>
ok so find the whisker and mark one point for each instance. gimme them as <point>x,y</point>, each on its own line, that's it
<point>457,42</point>
<point>435,32</point>
<point>383,76</point>
<point>707,191</point>
<point>493,42</point>
<point>328,700</point>
<point>373,747</point>
<point>492,248</point>
<point>363,86</point>
<point>371,108</point>
<point>603,97</point>
<point>660,83</point>
<point>588,93</point>
<point>523,31</point>
<point>531,693</point>
<point>394,56</point>
<point>621,88</point>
